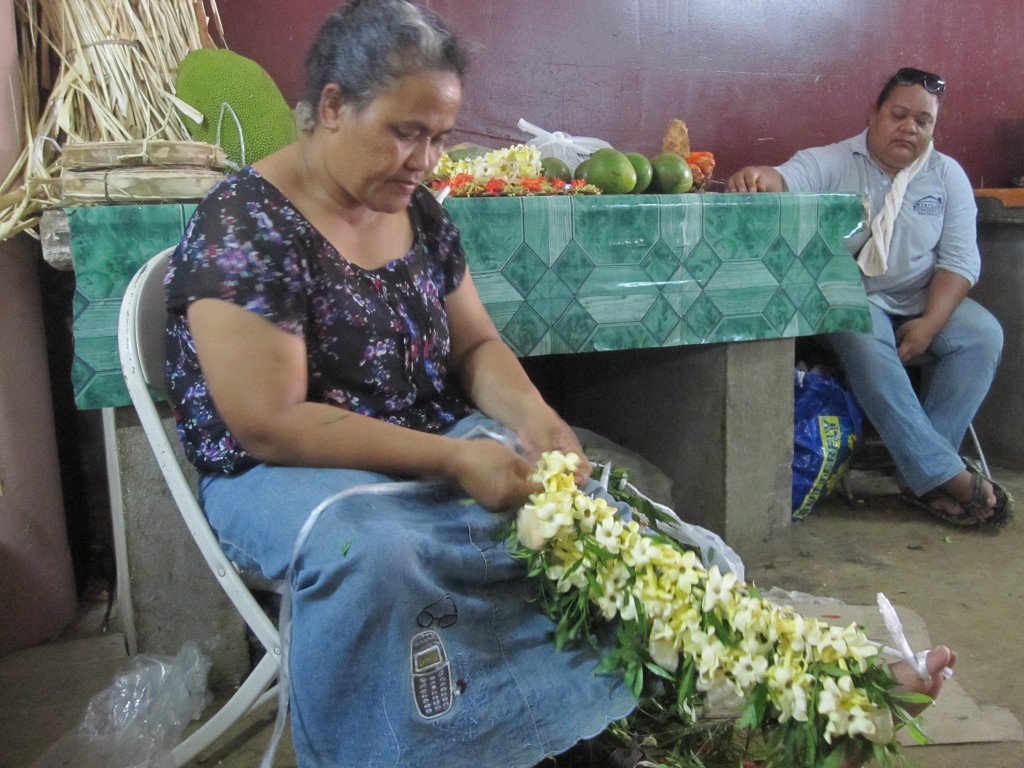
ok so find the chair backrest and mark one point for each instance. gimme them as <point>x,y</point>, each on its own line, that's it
<point>141,334</point>
<point>149,322</point>
<point>142,344</point>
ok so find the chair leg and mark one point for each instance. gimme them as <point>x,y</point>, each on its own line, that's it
<point>847,488</point>
<point>977,450</point>
<point>256,690</point>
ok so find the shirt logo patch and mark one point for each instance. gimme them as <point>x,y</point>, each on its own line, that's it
<point>929,205</point>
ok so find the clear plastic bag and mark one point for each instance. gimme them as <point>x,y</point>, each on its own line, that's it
<point>572,149</point>
<point>142,716</point>
<point>783,597</point>
<point>709,545</point>
<point>642,473</point>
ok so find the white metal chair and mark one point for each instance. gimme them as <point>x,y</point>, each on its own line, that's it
<point>141,344</point>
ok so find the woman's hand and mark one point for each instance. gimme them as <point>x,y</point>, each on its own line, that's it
<point>496,477</point>
<point>913,338</point>
<point>945,292</point>
<point>544,430</point>
<point>939,659</point>
<point>756,178</point>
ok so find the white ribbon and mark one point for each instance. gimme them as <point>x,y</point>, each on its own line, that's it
<point>873,258</point>
<point>919,661</point>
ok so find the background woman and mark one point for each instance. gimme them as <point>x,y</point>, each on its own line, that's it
<point>919,261</point>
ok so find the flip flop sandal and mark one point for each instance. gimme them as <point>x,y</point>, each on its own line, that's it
<point>976,505</point>
<point>964,519</point>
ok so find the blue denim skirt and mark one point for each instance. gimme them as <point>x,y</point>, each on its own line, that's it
<point>414,639</point>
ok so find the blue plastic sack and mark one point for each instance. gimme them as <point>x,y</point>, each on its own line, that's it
<point>826,426</point>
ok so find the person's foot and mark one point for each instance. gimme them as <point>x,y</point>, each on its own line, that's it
<point>939,659</point>
<point>946,507</point>
<point>960,490</point>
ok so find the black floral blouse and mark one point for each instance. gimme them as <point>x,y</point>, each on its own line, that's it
<point>377,341</point>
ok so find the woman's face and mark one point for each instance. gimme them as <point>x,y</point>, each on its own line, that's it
<point>899,131</point>
<point>378,154</point>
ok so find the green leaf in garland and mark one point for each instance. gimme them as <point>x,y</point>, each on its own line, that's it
<point>687,682</point>
<point>911,697</point>
<point>753,712</point>
<point>834,759</point>
<point>635,679</point>
<point>655,669</point>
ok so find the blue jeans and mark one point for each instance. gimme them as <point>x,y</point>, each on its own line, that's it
<point>376,574</point>
<point>923,435</point>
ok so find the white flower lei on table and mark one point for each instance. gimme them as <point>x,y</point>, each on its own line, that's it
<point>811,694</point>
<point>507,163</point>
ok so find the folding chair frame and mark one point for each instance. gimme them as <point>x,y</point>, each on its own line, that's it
<point>141,343</point>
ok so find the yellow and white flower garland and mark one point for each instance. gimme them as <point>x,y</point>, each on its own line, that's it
<point>507,164</point>
<point>702,628</point>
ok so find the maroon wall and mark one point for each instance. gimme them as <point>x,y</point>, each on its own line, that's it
<point>754,79</point>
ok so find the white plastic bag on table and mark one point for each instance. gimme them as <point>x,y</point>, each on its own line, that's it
<point>142,716</point>
<point>572,149</point>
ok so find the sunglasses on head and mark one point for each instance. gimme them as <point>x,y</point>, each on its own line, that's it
<point>910,76</point>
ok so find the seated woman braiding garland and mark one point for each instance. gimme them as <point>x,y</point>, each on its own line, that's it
<point>326,334</point>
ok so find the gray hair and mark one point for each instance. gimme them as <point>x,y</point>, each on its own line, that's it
<point>365,46</point>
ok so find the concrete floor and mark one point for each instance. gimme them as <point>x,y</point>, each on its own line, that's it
<point>967,586</point>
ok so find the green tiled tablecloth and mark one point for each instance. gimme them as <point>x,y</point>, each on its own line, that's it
<point>580,274</point>
<point>561,274</point>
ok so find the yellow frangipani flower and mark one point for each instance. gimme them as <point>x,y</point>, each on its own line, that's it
<point>751,617</point>
<point>663,652</point>
<point>718,590</point>
<point>789,687</point>
<point>606,532</point>
<point>747,671</point>
<point>848,708</point>
<point>640,553</point>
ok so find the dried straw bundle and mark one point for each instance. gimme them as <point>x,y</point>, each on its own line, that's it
<point>116,65</point>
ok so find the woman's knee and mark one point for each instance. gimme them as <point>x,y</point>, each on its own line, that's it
<point>991,337</point>
<point>974,328</point>
<point>864,355</point>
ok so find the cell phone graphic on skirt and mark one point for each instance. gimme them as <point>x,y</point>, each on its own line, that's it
<point>431,675</point>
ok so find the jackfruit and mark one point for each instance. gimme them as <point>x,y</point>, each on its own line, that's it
<point>229,91</point>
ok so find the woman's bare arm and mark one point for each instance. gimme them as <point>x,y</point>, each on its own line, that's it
<point>946,291</point>
<point>495,381</point>
<point>257,378</point>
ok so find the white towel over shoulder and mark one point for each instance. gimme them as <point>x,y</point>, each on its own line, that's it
<point>874,256</point>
